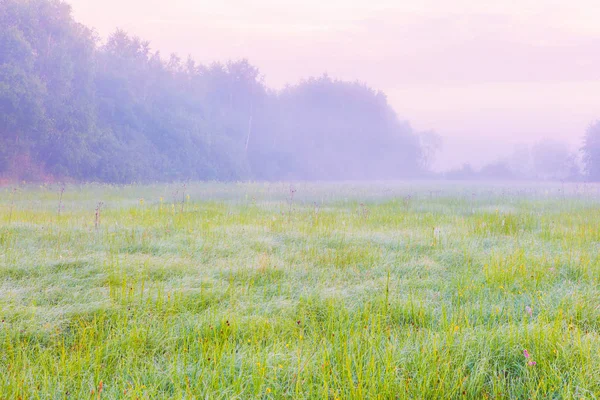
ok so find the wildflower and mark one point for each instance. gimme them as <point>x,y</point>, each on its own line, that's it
<point>529,311</point>
<point>141,202</point>
<point>530,363</point>
<point>268,390</point>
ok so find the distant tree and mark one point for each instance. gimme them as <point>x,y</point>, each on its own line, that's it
<point>552,160</point>
<point>520,162</point>
<point>466,172</point>
<point>547,159</point>
<point>591,152</point>
<point>431,143</point>
<point>498,170</point>
<point>329,129</point>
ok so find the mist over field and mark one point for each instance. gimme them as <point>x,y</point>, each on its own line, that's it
<point>108,105</point>
<point>299,199</point>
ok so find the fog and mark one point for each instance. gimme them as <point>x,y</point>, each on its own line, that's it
<point>477,72</point>
<point>133,90</point>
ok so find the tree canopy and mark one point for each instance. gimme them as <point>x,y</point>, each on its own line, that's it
<point>117,111</point>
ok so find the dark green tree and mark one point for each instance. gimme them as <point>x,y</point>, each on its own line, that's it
<point>120,112</point>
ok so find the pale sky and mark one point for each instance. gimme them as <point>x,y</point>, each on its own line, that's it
<point>484,74</point>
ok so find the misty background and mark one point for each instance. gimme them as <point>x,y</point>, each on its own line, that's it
<point>492,91</point>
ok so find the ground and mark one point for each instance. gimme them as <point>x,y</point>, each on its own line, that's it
<point>333,291</point>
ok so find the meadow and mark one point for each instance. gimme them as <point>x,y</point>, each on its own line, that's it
<point>320,291</point>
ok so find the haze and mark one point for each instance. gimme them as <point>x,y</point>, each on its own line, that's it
<point>485,75</point>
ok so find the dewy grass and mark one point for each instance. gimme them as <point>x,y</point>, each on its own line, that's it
<point>350,291</point>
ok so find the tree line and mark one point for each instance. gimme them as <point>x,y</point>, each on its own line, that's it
<point>74,107</point>
<point>546,160</point>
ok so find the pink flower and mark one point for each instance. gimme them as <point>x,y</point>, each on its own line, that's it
<point>529,310</point>
<point>531,363</point>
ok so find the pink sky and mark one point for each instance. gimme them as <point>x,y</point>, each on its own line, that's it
<point>484,74</point>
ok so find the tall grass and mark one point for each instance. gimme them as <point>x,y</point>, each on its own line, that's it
<point>340,291</point>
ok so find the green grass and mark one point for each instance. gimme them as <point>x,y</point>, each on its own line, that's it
<point>218,291</point>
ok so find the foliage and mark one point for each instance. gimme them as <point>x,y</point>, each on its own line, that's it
<point>119,112</point>
<point>333,130</point>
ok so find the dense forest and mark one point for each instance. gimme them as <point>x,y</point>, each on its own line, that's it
<point>75,107</point>
<point>72,106</point>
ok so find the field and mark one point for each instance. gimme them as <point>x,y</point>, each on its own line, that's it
<point>327,291</point>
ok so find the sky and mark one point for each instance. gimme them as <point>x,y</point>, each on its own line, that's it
<point>486,75</point>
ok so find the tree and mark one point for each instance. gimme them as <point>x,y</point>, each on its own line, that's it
<point>547,160</point>
<point>46,93</point>
<point>465,172</point>
<point>498,170</point>
<point>431,143</point>
<point>22,113</point>
<point>591,152</point>
<point>551,160</point>
<point>334,130</point>
<point>120,112</point>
